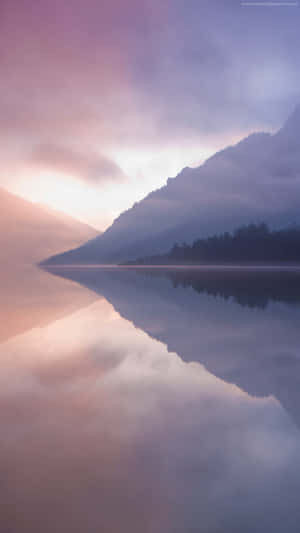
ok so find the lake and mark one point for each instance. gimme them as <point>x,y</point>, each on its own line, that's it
<point>150,400</point>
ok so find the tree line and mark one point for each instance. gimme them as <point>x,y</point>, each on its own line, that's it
<point>253,242</point>
<point>247,244</point>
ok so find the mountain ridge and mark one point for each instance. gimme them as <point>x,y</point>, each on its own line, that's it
<point>32,231</point>
<point>256,179</point>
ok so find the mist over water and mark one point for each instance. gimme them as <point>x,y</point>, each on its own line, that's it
<point>150,400</point>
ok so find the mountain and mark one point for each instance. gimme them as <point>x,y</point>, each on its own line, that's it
<point>30,232</point>
<point>28,297</point>
<point>256,180</point>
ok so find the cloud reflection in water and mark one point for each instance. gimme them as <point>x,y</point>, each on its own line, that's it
<point>104,429</point>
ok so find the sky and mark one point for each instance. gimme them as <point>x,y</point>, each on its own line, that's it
<point>101,102</point>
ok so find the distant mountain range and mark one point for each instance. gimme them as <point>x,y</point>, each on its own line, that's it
<point>256,180</point>
<point>31,232</point>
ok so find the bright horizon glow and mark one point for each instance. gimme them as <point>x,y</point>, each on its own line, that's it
<point>103,102</point>
<point>99,205</point>
<point>59,191</point>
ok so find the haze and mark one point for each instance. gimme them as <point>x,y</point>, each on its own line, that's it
<point>101,102</point>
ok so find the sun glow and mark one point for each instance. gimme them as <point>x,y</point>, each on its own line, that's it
<point>99,203</point>
<point>60,191</point>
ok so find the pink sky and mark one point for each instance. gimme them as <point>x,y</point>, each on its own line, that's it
<point>100,102</point>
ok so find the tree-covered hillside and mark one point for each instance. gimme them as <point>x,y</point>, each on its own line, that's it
<point>247,244</point>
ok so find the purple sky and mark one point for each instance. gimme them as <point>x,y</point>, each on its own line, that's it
<point>101,101</point>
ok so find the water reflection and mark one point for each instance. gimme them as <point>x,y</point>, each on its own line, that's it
<point>253,287</point>
<point>106,428</point>
<point>254,345</point>
<point>31,298</point>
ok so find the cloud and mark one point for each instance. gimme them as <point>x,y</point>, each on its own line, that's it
<point>140,77</point>
<point>143,72</point>
<point>90,167</point>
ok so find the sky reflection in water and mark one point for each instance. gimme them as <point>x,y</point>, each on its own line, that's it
<point>104,429</point>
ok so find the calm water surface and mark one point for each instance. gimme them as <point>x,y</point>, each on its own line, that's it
<point>150,401</point>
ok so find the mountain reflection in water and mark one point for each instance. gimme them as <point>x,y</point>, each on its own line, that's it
<point>242,324</point>
<point>156,407</point>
